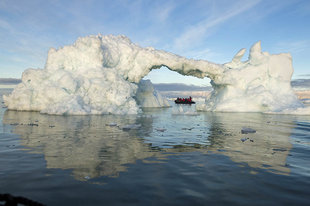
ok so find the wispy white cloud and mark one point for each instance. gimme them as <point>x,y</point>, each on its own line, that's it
<point>5,25</point>
<point>205,54</point>
<point>301,7</point>
<point>162,12</point>
<point>292,46</point>
<point>267,8</point>
<point>199,31</point>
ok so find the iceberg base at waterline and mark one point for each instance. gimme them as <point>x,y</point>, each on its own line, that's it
<point>103,75</point>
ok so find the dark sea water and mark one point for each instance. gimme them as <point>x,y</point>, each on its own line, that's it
<point>161,157</point>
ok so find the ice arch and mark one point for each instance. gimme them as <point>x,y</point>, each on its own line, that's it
<point>129,60</point>
<point>101,74</point>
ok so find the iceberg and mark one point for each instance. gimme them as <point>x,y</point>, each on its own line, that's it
<point>103,75</point>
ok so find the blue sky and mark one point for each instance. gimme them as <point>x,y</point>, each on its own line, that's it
<point>213,30</point>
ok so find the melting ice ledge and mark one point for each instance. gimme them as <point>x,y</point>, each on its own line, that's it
<point>102,75</point>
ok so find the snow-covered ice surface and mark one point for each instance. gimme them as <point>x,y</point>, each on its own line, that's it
<point>102,75</point>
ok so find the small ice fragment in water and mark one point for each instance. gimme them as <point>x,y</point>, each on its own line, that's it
<point>131,126</point>
<point>160,129</point>
<point>279,149</point>
<point>113,124</point>
<point>187,128</point>
<point>246,130</point>
<point>32,124</point>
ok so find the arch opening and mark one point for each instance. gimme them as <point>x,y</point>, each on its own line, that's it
<point>164,83</point>
<point>164,75</point>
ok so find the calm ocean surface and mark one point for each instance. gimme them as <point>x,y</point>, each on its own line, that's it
<point>161,157</point>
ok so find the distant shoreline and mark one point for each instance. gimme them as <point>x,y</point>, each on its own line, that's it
<point>300,86</point>
<point>9,81</point>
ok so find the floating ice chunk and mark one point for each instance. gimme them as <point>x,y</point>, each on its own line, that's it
<point>245,139</point>
<point>279,149</point>
<point>188,128</point>
<point>246,130</point>
<point>130,127</point>
<point>160,129</point>
<point>111,124</point>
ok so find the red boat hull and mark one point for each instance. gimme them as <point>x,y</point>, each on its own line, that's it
<point>184,102</point>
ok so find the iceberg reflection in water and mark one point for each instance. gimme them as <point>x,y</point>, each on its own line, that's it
<point>94,146</point>
<point>90,145</point>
